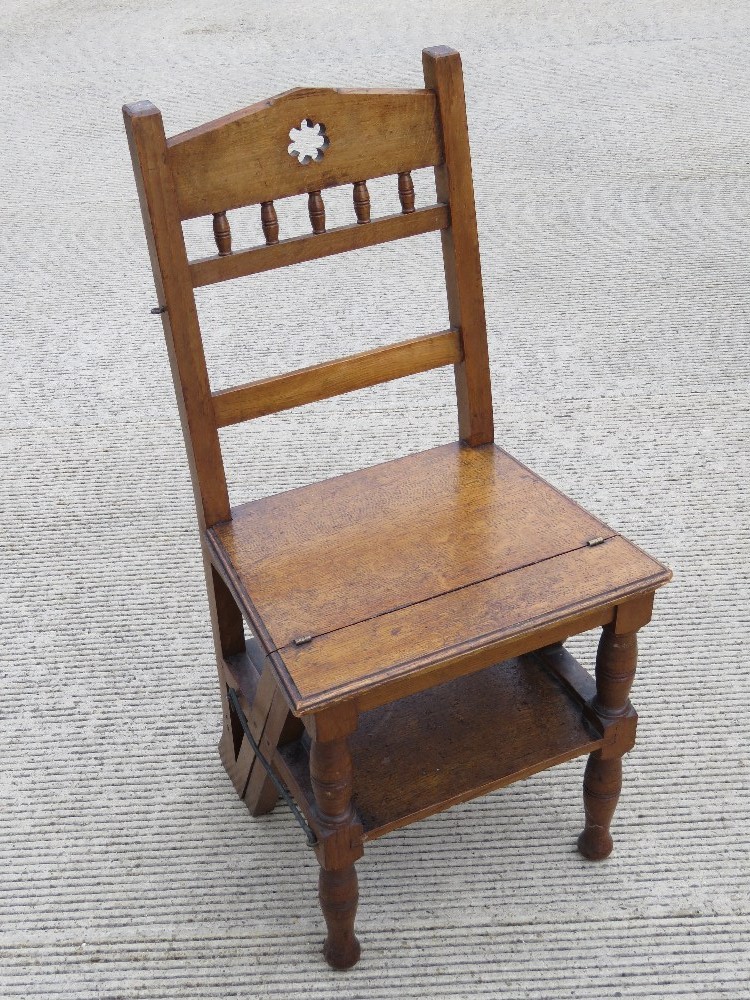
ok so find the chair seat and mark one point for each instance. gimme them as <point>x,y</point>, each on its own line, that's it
<point>358,583</point>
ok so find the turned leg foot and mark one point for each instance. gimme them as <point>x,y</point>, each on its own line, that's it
<point>339,846</point>
<point>601,790</point>
<point>338,900</point>
<point>602,782</point>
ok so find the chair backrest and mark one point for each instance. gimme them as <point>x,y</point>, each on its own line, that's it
<point>337,137</point>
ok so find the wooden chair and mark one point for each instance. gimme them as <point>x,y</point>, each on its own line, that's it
<point>405,622</point>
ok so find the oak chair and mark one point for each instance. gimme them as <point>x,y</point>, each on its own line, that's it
<point>389,642</point>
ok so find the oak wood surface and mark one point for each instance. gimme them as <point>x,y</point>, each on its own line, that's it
<point>269,222</point>
<point>406,192</point>
<point>374,652</point>
<point>460,242</point>
<point>222,233</point>
<point>260,795</point>
<point>166,245</point>
<point>472,657</point>
<point>317,211</point>
<point>388,596</point>
<point>143,124</point>
<point>297,249</point>
<point>332,378</point>
<point>325,556</point>
<point>243,158</point>
<point>361,199</point>
<point>450,743</point>
<point>390,570</point>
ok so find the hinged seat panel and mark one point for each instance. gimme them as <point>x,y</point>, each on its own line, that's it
<point>572,592</point>
<point>412,562</point>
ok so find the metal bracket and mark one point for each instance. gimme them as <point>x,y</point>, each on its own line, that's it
<point>157,310</point>
<point>312,840</point>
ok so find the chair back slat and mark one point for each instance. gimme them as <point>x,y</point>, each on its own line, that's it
<point>296,249</point>
<point>333,378</point>
<point>245,158</point>
<point>304,142</point>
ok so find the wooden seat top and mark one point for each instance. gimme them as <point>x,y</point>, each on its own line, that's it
<point>369,577</point>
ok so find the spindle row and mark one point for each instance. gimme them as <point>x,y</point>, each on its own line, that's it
<point>317,212</point>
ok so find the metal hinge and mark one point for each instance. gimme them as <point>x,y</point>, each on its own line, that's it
<point>596,541</point>
<point>302,640</point>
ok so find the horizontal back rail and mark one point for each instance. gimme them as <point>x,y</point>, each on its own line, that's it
<point>332,378</point>
<point>297,249</point>
<point>244,158</point>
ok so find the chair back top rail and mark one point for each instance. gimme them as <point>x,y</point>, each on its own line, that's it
<point>247,158</point>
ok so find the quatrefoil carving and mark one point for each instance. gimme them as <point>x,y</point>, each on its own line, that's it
<point>309,141</point>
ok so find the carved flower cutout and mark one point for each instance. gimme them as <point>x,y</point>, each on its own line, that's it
<point>308,141</point>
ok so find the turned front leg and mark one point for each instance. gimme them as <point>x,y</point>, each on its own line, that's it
<point>615,671</point>
<point>340,844</point>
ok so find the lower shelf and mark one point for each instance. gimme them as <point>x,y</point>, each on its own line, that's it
<point>419,755</point>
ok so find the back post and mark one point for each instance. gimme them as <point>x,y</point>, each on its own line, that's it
<point>148,149</point>
<point>460,242</point>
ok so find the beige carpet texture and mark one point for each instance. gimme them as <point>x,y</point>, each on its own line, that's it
<point>611,155</point>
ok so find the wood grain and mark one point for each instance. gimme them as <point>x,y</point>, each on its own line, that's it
<point>416,561</point>
<point>182,332</point>
<point>243,158</point>
<point>463,273</point>
<point>406,581</point>
<point>297,249</point>
<point>385,537</point>
<point>443,746</point>
<point>406,192</point>
<point>317,211</point>
<point>361,198</point>
<point>488,615</point>
<point>269,222</point>
<point>222,233</point>
<point>331,378</point>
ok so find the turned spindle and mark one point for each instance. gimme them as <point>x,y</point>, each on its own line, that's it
<point>406,192</point>
<point>269,222</point>
<point>317,211</point>
<point>362,202</point>
<point>616,661</point>
<point>222,234</point>
<point>331,776</point>
<point>615,671</point>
